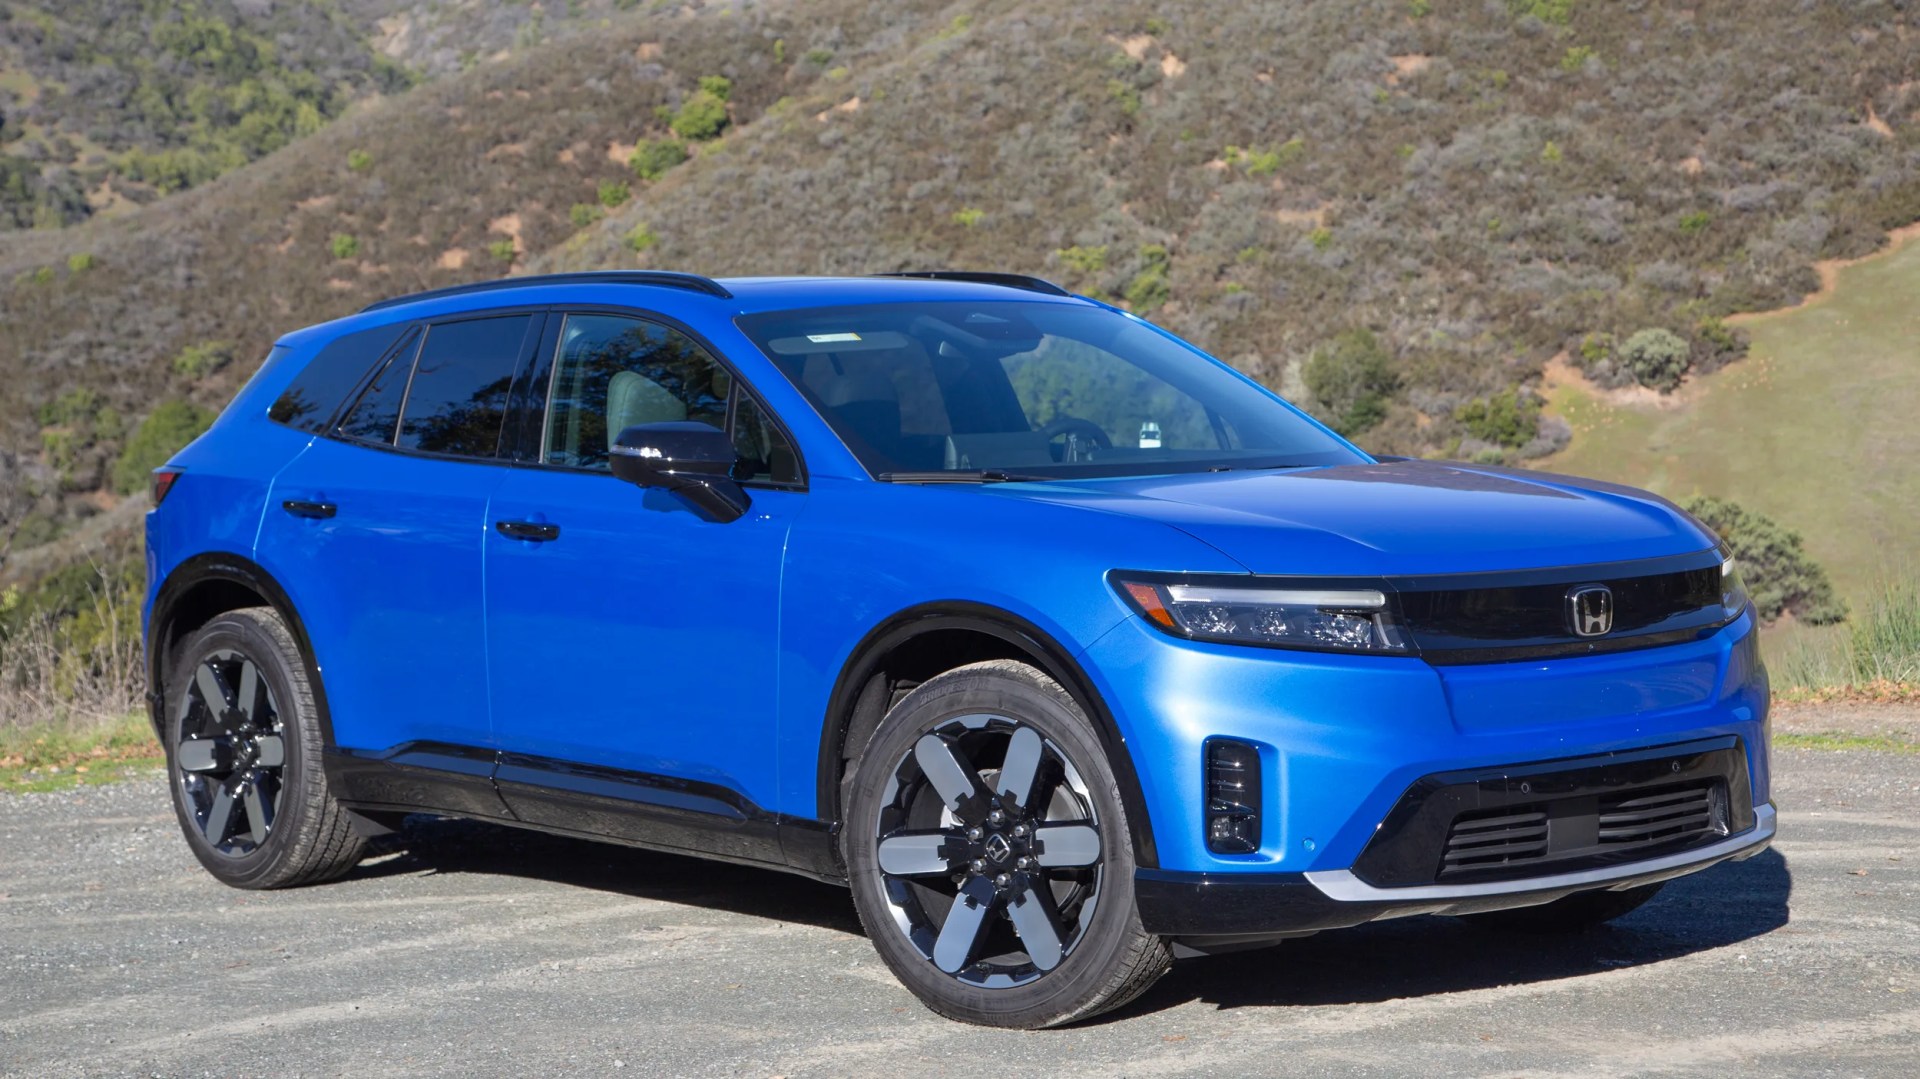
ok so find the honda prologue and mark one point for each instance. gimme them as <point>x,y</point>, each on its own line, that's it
<point>1068,648</point>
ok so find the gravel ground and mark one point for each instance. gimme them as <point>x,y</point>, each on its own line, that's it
<point>471,950</point>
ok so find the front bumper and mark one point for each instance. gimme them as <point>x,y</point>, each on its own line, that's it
<point>1282,904</point>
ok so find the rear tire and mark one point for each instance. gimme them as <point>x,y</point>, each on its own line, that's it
<point>1573,914</point>
<point>990,856</point>
<point>243,743</point>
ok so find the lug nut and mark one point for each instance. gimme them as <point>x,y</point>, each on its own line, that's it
<point>974,834</point>
<point>1023,861</point>
<point>1019,831</point>
<point>1002,880</point>
<point>979,865</point>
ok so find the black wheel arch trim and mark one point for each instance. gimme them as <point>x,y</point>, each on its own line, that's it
<point>215,567</point>
<point>1033,643</point>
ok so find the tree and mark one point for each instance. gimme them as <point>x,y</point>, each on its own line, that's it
<point>1657,358</point>
<point>1779,575</point>
<point>1352,378</point>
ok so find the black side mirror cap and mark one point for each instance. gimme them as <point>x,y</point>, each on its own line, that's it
<point>692,460</point>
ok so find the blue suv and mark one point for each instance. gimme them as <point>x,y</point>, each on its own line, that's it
<point>1067,648</point>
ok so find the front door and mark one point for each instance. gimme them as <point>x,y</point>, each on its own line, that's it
<point>632,641</point>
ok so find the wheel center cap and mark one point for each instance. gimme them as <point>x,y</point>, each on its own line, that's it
<point>998,848</point>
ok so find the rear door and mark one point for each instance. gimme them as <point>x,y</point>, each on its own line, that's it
<point>381,522</point>
<point>632,641</point>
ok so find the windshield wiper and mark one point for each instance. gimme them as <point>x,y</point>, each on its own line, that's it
<point>962,475</point>
<point>1258,468</point>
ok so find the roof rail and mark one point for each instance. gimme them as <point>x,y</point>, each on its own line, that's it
<point>664,278</point>
<point>1009,280</point>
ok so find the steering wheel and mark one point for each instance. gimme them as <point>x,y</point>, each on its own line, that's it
<point>1087,431</point>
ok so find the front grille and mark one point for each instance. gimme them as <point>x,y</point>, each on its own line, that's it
<point>1631,822</point>
<point>1480,841</point>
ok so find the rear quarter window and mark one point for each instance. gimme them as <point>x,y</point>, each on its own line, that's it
<point>317,392</point>
<point>458,399</point>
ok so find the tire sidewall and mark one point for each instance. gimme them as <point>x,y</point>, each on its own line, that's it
<point>279,666</point>
<point>1027,697</point>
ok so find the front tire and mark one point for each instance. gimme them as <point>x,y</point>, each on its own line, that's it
<point>243,742</point>
<point>990,856</point>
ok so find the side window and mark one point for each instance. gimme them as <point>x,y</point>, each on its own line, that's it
<point>765,453</point>
<point>377,413</point>
<point>315,394</point>
<point>613,372</point>
<point>458,398</point>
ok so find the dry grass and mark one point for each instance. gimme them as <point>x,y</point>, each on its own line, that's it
<point>74,675</point>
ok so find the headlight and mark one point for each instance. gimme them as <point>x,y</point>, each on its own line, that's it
<point>1733,590</point>
<point>1324,619</point>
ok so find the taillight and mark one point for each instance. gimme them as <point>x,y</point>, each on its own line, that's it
<point>160,482</point>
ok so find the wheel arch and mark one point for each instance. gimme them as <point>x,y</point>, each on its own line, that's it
<point>933,638</point>
<point>203,588</point>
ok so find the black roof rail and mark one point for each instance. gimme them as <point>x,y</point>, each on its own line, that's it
<point>1010,280</point>
<point>666,278</point>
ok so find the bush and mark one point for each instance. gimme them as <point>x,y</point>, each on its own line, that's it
<point>359,160</point>
<point>196,362</point>
<point>503,249</point>
<point>969,216</point>
<point>1657,358</point>
<point>164,432</point>
<point>583,214</point>
<point>614,192</point>
<point>1779,575</point>
<point>653,157</point>
<point>1149,288</point>
<point>1083,260</point>
<point>1352,379</point>
<point>79,263</point>
<point>703,115</point>
<point>1509,419</point>
<point>345,246</point>
<point>1552,12</point>
<point>640,238</point>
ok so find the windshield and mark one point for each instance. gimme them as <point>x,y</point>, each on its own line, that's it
<point>1028,389</point>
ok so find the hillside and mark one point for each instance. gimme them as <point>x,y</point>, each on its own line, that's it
<point>1394,211</point>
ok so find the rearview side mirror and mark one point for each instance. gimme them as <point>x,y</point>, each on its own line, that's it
<point>692,460</point>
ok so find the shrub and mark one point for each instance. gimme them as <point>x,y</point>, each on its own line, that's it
<point>1657,358</point>
<point>583,214</point>
<point>1595,348</point>
<point>1779,575</point>
<point>968,216</point>
<point>1552,12</point>
<point>1550,154</point>
<point>1126,95</point>
<point>779,50</point>
<point>1694,223</point>
<point>819,57</point>
<point>196,362</point>
<point>653,157</point>
<point>1509,419</point>
<point>1420,9</point>
<point>164,432</point>
<point>614,192</point>
<point>359,160</point>
<point>1576,58</point>
<point>345,246</point>
<point>1351,377</point>
<point>1149,288</point>
<point>79,263</point>
<point>1321,238</point>
<point>703,115</point>
<point>502,249</point>
<point>1083,260</point>
<point>640,238</point>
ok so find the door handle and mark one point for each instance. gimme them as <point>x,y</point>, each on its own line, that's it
<point>317,511</point>
<point>536,531</point>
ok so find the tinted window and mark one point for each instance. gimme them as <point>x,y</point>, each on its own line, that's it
<point>377,413</point>
<point>615,372</point>
<point>317,392</point>
<point>1052,389</point>
<point>765,453</point>
<point>458,398</point>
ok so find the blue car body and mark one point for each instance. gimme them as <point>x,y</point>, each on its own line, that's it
<point>705,670</point>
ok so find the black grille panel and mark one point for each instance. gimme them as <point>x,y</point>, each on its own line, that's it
<point>1645,819</point>
<point>1481,841</point>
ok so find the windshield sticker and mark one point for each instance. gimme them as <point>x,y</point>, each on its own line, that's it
<point>823,338</point>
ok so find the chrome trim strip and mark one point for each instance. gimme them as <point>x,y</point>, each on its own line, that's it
<point>1342,885</point>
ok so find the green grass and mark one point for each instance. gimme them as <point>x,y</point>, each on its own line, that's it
<point>56,758</point>
<point>1815,428</point>
<point>1877,743</point>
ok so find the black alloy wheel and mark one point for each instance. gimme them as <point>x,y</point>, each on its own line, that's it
<point>230,754</point>
<point>990,856</point>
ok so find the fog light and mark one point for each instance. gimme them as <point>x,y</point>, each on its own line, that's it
<point>1233,797</point>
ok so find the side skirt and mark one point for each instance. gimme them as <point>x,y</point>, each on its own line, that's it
<point>638,809</point>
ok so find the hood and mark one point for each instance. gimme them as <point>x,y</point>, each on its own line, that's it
<point>1395,517</point>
